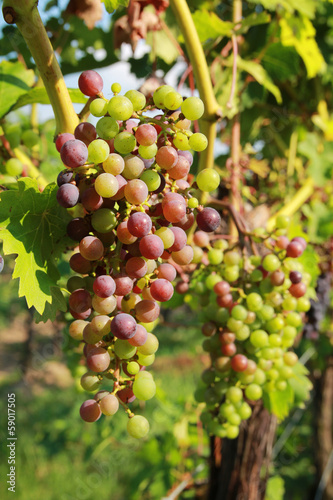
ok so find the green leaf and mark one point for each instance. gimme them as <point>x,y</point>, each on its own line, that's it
<point>253,19</point>
<point>262,77</point>
<point>275,488</point>
<point>163,46</point>
<point>112,5</point>
<point>319,153</point>
<point>33,226</point>
<point>298,32</point>
<point>39,95</point>
<point>306,7</point>
<point>210,26</point>
<point>281,62</point>
<point>279,402</point>
<point>15,80</point>
<point>300,384</point>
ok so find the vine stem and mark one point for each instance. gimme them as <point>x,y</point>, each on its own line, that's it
<point>25,15</point>
<point>235,198</point>
<point>202,77</point>
<point>294,204</point>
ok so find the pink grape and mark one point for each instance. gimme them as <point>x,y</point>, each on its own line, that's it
<point>90,411</point>
<point>123,326</point>
<point>161,290</point>
<point>90,83</point>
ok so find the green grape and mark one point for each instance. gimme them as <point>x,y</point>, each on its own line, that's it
<point>107,128</point>
<point>239,312</point>
<point>231,273</point>
<point>148,152</point>
<point>137,99</point>
<point>275,340</point>
<point>14,167</point>
<point>103,220</point>
<point>266,312</point>
<point>259,338</point>
<point>245,411</point>
<point>215,256</point>
<point>227,409</point>
<point>271,262</point>
<point>172,100</point>
<point>116,88</point>
<point>285,372</point>
<point>150,346</point>
<point>159,95</point>
<point>123,349</point>
<point>211,280</point>
<point>289,332</point>
<point>232,258</point>
<point>267,353</point>
<point>146,360</point>
<point>234,394</point>
<point>98,107</point>
<point>180,141</point>
<point>133,168</point>
<point>259,377</point>
<point>106,185</point>
<point>198,142</point>
<point>120,108</point>
<point>232,432</point>
<point>144,389</point>
<point>245,378</point>
<point>222,315</point>
<point>293,319</point>
<point>254,302</point>
<point>281,385</point>
<point>290,358</point>
<point>98,151</point>
<point>199,396</point>
<point>234,325</point>
<point>255,259</point>
<point>221,244</point>
<point>208,179</point>
<point>90,382</point>
<point>152,179</point>
<point>197,254</point>
<point>282,221</point>
<point>303,304</point>
<point>253,392</point>
<point>192,108</point>
<point>166,235</point>
<point>29,138</point>
<point>243,333</point>
<point>275,325</point>
<point>124,142</point>
<point>143,374</point>
<point>114,164</point>
<point>138,426</point>
<point>234,419</point>
<point>193,203</point>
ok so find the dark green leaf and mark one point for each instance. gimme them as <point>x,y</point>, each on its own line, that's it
<point>253,20</point>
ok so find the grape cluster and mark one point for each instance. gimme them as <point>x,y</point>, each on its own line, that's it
<point>253,309</point>
<point>128,185</point>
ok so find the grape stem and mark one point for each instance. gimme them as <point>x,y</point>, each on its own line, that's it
<point>25,15</point>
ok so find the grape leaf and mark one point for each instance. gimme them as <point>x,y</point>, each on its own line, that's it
<point>33,226</point>
<point>262,77</point>
<point>39,95</point>
<point>253,19</point>
<point>300,384</point>
<point>210,26</point>
<point>15,80</point>
<point>279,402</point>
<point>112,5</point>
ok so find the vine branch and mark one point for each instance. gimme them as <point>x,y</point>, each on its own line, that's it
<point>25,15</point>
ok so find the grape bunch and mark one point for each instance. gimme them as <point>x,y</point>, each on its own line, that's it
<point>127,182</point>
<point>252,312</point>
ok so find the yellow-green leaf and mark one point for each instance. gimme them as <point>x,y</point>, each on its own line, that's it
<point>298,32</point>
